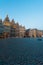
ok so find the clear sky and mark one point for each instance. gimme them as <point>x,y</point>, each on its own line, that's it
<point>28,13</point>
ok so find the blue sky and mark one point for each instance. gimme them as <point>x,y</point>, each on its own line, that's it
<point>28,13</point>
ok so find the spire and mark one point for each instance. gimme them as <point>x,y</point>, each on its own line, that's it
<point>13,21</point>
<point>7,18</point>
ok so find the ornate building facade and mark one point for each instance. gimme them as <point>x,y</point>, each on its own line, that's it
<point>6,24</point>
<point>11,29</point>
